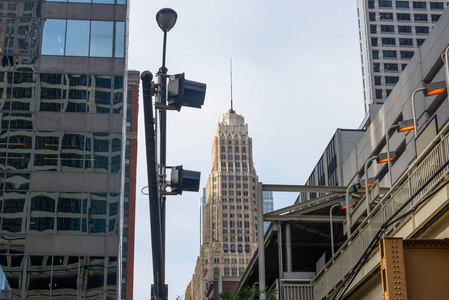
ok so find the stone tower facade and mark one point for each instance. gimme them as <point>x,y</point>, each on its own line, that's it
<point>230,216</point>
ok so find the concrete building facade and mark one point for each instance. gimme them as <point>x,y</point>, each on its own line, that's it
<point>329,169</point>
<point>413,207</point>
<point>63,91</point>
<point>230,213</point>
<point>390,32</point>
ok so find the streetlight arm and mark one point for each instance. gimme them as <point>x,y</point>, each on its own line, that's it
<point>368,209</point>
<point>388,152</point>
<point>348,225</point>
<point>413,109</point>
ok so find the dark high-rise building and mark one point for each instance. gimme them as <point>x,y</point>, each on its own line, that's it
<point>65,213</point>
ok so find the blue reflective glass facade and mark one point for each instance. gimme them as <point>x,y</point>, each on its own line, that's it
<point>62,150</point>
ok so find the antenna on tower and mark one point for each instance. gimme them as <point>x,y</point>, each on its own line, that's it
<point>231,84</point>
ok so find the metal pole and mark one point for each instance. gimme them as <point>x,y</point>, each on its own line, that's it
<point>446,67</point>
<point>260,240</point>
<point>155,222</point>
<point>332,227</point>
<point>288,246</point>
<point>281,265</point>
<point>348,225</point>
<point>388,153</point>
<point>162,99</point>
<point>368,208</point>
<point>413,110</point>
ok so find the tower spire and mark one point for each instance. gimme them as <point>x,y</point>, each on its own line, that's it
<point>232,108</point>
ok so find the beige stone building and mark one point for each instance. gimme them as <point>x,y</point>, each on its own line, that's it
<point>230,216</point>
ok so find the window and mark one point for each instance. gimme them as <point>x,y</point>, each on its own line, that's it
<point>225,248</point>
<point>373,28</point>
<point>419,4</point>
<point>407,54</point>
<point>230,149</point>
<point>234,272</point>
<point>226,271</point>
<point>377,80</point>
<point>422,29</point>
<point>391,67</point>
<point>391,80</point>
<point>83,38</point>
<point>385,16</point>
<point>374,42</point>
<point>386,28</point>
<point>406,42</point>
<point>378,94</point>
<point>388,92</point>
<point>232,248</point>
<point>240,249</point>
<point>385,3</point>
<point>375,54</point>
<point>436,5</point>
<point>405,29</point>
<point>376,67</point>
<point>402,4</point>
<point>403,66</point>
<point>389,54</point>
<point>419,42</point>
<point>403,17</point>
<point>372,16</point>
<point>216,272</point>
<point>435,18</point>
<point>420,17</point>
<point>247,248</point>
<point>388,41</point>
<point>370,4</point>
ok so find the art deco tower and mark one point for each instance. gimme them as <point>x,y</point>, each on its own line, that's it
<point>230,216</point>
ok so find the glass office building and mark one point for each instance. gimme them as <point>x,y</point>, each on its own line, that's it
<point>63,86</point>
<point>390,32</point>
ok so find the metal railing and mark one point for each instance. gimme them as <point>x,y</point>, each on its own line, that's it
<point>292,289</point>
<point>425,172</point>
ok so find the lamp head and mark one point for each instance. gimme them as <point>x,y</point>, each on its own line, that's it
<point>435,88</point>
<point>166,19</point>
<point>383,157</point>
<point>405,125</point>
<point>370,182</point>
<point>352,203</point>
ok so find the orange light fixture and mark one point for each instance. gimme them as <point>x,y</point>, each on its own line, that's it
<point>405,125</point>
<point>370,182</point>
<point>383,157</point>
<point>352,203</point>
<point>435,88</point>
<point>385,160</point>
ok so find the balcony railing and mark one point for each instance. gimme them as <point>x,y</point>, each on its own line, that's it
<point>422,176</point>
<point>292,289</point>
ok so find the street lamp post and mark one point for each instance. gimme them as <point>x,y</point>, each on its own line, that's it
<point>351,187</point>
<point>368,208</point>
<point>166,19</point>
<point>180,92</point>
<point>332,229</point>
<point>401,126</point>
<point>429,89</point>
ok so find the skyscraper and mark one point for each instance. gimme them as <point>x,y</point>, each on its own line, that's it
<point>390,33</point>
<point>268,206</point>
<point>230,215</point>
<point>63,90</point>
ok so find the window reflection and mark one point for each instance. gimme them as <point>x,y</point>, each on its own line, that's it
<point>101,38</point>
<point>77,41</point>
<point>53,37</point>
<point>120,39</point>
<point>83,38</point>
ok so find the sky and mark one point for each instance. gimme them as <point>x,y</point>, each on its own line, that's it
<point>296,79</point>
